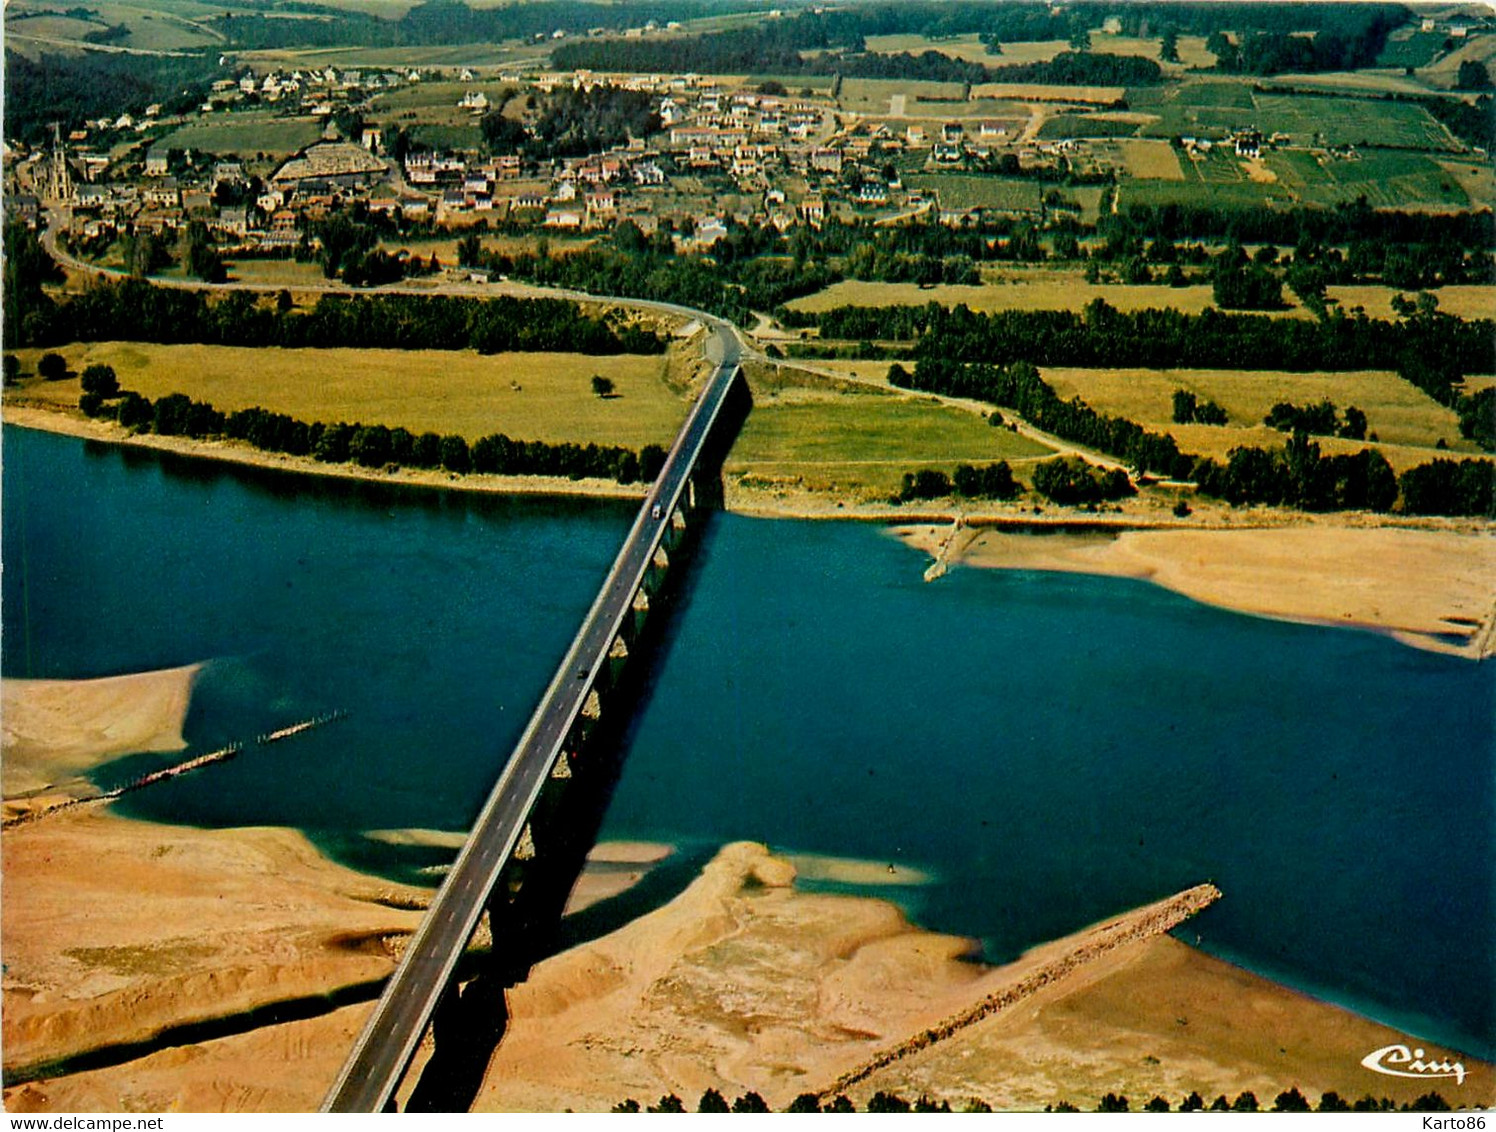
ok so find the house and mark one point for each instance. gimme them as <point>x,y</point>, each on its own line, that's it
<point>947,154</point>
<point>1248,143</point>
<point>25,208</point>
<point>648,173</point>
<point>232,221</point>
<point>826,160</point>
<point>563,218</point>
<point>474,100</point>
<point>915,135</point>
<point>372,138</point>
<point>709,230</point>
<point>952,132</point>
<point>155,163</point>
<point>164,193</point>
<point>228,173</point>
<point>813,209</point>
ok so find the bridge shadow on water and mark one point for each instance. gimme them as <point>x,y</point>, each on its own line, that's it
<point>526,921</point>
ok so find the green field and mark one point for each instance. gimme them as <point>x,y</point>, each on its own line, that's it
<point>1216,109</point>
<point>529,396</point>
<point>1086,126</point>
<point>865,440</point>
<point>1015,194</point>
<point>246,134</point>
<point>1415,50</point>
<point>1225,195</point>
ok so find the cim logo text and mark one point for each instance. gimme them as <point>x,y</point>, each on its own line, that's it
<point>1400,1061</point>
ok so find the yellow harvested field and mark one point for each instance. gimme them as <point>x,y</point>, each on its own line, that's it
<point>1465,301</point>
<point>967,47</point>
<point>1407,422</point>
<point>528,396</point>
<point>1057,290</point>
<point>1148,159</point>
<point>1476,178</point>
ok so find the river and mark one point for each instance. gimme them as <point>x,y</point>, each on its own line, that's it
<point>1046,749</point>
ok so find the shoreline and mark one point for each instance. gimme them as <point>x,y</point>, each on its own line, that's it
<point>1285,588</point>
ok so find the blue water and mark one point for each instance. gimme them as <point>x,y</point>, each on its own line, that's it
<point>1051,749</point>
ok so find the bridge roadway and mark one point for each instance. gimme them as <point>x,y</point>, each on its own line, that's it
<point>389,1038</point>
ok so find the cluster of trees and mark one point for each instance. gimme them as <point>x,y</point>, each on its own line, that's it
<point>132,309</point>
<point>454,22</point>
<point>1247,288</point>
<point>369,446</point>
<point>1189,409</point>
<point>1450,487</point>
<point>988,481</point>
<point>714,1101</point>
<point>1354,44</point>
<point>70,89</point>
<point>1298,476</point>
<point>1290,1100</point>
<point>1318,419</point>
<point>345,244</point>
<point>573,122</point>
<point>25,269</point>
<point>1071,480</point>
<point>1102,336</point>
<point>1019,387</point>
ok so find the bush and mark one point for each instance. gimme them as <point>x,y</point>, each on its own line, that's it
<point>53,367</point>
<point>712,1101</point>
<point>1071,480</point>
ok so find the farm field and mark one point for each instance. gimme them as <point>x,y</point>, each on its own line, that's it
<point>1214,109</point>
<point>1145,159</point>
<point>446,391</point>
<point>1192,51</point>
<point>1046,92</point>
<point>246,133</point>
<point>1059,289</point>
<point>1090,126</point>
<point>958,191</point>
<point>865,440</point>
<point>1397,412</point>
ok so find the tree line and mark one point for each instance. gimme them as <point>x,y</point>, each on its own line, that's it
<point>1104,337</point>
<point>134,310</point>
<point>1289,1100</point>
<point>1297,475</point>
<point>368,446</point>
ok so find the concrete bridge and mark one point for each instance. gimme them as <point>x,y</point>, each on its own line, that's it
<point>489,870</point>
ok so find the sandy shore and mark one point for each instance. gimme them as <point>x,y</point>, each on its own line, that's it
<point>55,730</point>
<point>1429,588</point>
<point>741,982</point>
<point>744,982</point>
<point>183,925</point>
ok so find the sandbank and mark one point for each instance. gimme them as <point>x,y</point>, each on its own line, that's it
<point>744,982</point>
<point>184,925</point>
<point>1434,589</point>
<point>55,730</point>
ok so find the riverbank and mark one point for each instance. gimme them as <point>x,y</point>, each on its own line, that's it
<point>57,730</point>
<point>1431,589</point>
<point>742,982</point>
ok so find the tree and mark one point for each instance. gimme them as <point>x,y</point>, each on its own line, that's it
<point>1157,1104</point>
<point>840,1103</point>
<point>887,1102</point>
<point>100,380</point>
<point>456,458</point>
<point>1245,1102</point>
<point>602,386</point>
<point>1332,1102</point>
<point>712,1101</point>
<point>1220,1104</point>
<point>1184,407</point>
<point>1192,1103</point>
<point>12,369</point>
<point>1354,427</point>
<point>1168,46</point>
<point>805,1102</point>
<point>1473,75</point>
<point>52,367</point>
<point>667,1103</point>
<point>1080,40</point>
<point>628,1105</point>
<point>1112,1103</point>
<point>1291,1101</point>
<point>750,1102</point>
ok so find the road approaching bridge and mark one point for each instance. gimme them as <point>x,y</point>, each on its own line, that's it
<point>388,1042</point>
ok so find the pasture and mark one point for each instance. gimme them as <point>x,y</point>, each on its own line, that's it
<point>529,396</point>
<point>1088,126</point>
<point>864,440</point>
<point>245,133</point>
<point>1400,415</point>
